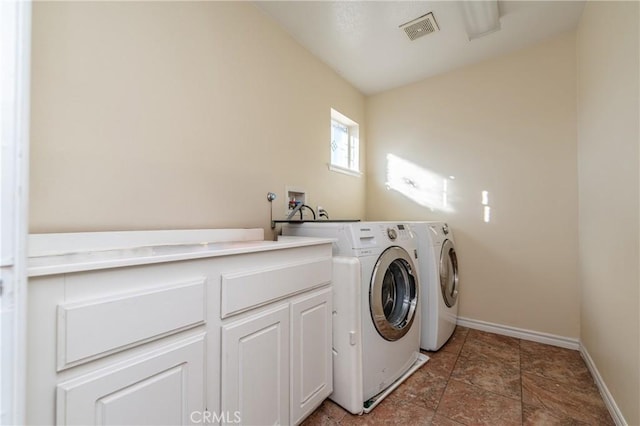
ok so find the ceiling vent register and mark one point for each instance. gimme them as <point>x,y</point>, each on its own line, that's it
<point>426,24</point>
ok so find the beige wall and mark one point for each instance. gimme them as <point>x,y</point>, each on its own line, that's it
<point>506,126</point>
<point>608,138</point>
<point>164,115</point>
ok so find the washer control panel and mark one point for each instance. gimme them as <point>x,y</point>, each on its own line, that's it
<point>370,235</point>
<point>395,232</point>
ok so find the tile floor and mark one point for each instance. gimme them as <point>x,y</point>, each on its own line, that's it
<point>481,378</point>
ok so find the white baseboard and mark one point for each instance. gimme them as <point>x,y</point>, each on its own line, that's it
<point>615,412</point>
<point>521,333</point>
<point>554,340</point>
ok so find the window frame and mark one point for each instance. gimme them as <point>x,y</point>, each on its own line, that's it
<point>353,150</point>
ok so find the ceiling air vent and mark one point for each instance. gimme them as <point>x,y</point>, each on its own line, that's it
<point>426,24</point>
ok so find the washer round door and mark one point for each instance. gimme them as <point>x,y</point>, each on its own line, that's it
<point>393,293</point>
<point>449,273</point>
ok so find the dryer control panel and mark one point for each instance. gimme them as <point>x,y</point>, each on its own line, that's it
<point>439,232</point>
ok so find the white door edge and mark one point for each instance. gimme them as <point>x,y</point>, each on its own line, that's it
<point>15,51</point>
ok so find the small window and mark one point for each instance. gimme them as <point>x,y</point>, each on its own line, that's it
<point>345,149</point>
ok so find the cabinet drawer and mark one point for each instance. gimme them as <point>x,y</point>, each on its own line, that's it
<point>95,328</point>
<point>245,290</point>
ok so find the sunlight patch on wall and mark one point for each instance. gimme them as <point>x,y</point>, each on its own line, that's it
<point>422,186</point>
<point>487,208</point>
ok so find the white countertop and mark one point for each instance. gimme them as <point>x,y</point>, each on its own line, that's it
<point>100,256</point>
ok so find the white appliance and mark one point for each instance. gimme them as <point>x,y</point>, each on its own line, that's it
<point>376,318</point>
<point>438,266</point>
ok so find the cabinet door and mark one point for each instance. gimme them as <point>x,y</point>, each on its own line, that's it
<point>255,368</point>
<point>162,387</point>
<point>311,358</point>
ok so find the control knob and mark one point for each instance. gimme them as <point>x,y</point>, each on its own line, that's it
<point>392,233</point>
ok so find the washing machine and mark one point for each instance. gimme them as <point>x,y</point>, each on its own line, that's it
<point>377,311</point>
<point>438,274</point>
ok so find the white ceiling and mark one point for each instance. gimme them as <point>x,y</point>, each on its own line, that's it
<point>362,40</point>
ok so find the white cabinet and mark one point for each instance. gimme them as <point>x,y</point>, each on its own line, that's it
<point>276,342</point>
<point>117,346</point>
<point>311,358</point>
<point>237,336</point>
<point>276,364</point>
<point>255,368</point>
<point>162,387</point>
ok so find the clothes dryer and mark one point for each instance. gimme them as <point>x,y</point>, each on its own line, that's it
<point>377,315</point>
<point>438,267</point>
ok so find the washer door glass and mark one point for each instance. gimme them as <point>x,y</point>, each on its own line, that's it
<point>449,273</point>
<point>393,294</point>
